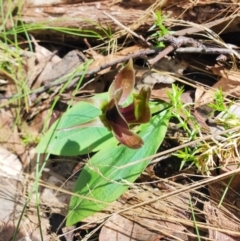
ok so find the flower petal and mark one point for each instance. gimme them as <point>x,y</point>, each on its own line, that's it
<point>138,112</point>
<point>125,80</point>
<point>126,137</point>
<point>128,113</point>
<point>113,115</point>
<point>116,122</point>
<point>142,110</point>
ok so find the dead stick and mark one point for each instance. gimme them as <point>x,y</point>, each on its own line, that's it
<point>162,54</point>
<point>87,73</point>
<point>207,50</point>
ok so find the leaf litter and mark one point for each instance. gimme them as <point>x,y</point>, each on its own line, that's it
<point>144,212</point>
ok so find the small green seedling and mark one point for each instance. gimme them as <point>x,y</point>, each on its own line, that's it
<point>218,103</point>
<point>203,154</point>
<point>183,114</point>
<point>161,30</point>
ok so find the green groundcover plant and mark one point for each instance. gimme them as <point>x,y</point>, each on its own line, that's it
<point>121,127</point>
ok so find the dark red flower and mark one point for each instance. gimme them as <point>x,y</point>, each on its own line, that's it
<point>116,117</point>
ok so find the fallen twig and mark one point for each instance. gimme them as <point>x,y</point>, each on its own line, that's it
<point>55,82</point>
<point>162,54</point>
<point>208,50</point>
<point>175,43</point>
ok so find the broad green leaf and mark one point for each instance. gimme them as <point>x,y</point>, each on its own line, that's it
<point>108,173</point>
<point>79,140</point>
<point>111,141</point>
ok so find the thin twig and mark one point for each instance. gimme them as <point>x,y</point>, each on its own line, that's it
<point>208,50</point>
<point>162,54</point>
<point>55,82</point>
<point>175,43</point>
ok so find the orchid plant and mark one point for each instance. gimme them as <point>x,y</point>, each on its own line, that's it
<point>116,117</point>
<point>102,125</point>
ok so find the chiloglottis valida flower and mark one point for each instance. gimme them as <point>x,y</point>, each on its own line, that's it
<point>115,115</point>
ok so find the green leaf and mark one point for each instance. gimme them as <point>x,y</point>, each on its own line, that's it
<point>108,173</point>
<point>75,141</point>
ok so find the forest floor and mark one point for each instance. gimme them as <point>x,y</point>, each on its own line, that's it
<point>126,128</point>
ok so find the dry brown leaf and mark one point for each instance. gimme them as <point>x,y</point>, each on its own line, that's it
<point>231,164</point>
<point>96,85</point>
<point>161,217</point>
<point>38,62</point>
<point>34,128</point>
<point>227,217</point>
<point>101,60</point>
<point>53,71</point>
<point>171,65</point>
<point>10,165</point>
<point>228,83</point>
<point>228,227</point>
<point>198,93</point>
<point>229,86</point>
<point>12,200</point>
<point>160,83</point>
<point>34,68</point>
<point>161,91</point>
<point>42,52</point>
<point>120,228</point>
<point>231,184</point>
<point>10,138</point>
<point>52,195</point>
<point>161,77</point>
